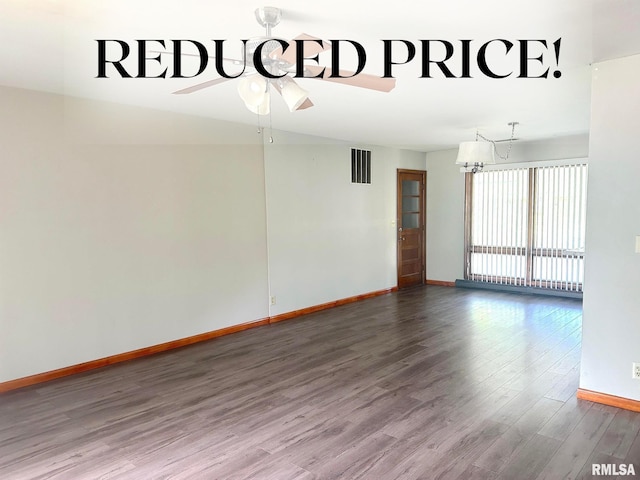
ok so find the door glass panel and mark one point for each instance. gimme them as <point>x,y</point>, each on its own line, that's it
<point>410,187</point>
<point>410,220</point>
<point>410,204</point>
<point>410,199</point>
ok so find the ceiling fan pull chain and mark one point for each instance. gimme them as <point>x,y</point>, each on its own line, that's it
<point>270,128</point>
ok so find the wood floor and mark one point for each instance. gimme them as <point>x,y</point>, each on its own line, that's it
<point>431,383</point>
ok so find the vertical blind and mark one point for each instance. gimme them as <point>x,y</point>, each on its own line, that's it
<point>526,226</point>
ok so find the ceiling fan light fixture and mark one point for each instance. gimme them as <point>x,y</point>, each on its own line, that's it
<point>292,94</point>
<point>264,107</point>
<point>254,91</point>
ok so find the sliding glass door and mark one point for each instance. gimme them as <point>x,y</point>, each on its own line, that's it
<point>526,226</point>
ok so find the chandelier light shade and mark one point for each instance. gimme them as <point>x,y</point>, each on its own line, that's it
<point>292,93</point>
<point>254,91</point>
<point>476,154</point>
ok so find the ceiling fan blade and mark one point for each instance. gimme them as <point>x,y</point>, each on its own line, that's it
<point>202,86</point>
<point>235,61</point>
<point>362,80</point>
<point>310,49</point>
<point>306,104</point>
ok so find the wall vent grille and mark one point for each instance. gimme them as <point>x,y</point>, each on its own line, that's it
<point>360,166</point>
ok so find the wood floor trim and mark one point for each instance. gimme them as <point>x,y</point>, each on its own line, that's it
<point>441,283</point>
<point>611,400</point>
<point>182,342</point>
<point>335,303</point>
<point>123,357</point>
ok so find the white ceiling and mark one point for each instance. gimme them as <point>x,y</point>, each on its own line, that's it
<point>49,45</point>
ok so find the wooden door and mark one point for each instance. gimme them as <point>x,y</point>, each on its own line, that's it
<point>411,227</point>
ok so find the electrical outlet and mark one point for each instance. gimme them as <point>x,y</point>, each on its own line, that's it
<point>636,370</point>
<point>273,300</point>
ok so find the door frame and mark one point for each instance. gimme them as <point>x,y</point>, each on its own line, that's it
<point>423,219</point>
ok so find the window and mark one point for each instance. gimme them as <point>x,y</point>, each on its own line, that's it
<point>526,226</point>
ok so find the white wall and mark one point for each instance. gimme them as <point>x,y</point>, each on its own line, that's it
<point>445,216</point>
<point>611,322</point>
<point>328,238</point>
<point>122,228</point>
<point>445,198</point>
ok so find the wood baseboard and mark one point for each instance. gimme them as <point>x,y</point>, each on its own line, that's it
<point>440,283</point>
<point>163,347</point>
<point>123,357</point>
<point>611,400</point>
<point>324,306</point>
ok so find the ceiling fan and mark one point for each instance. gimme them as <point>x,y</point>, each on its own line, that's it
<point>254,88</point>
